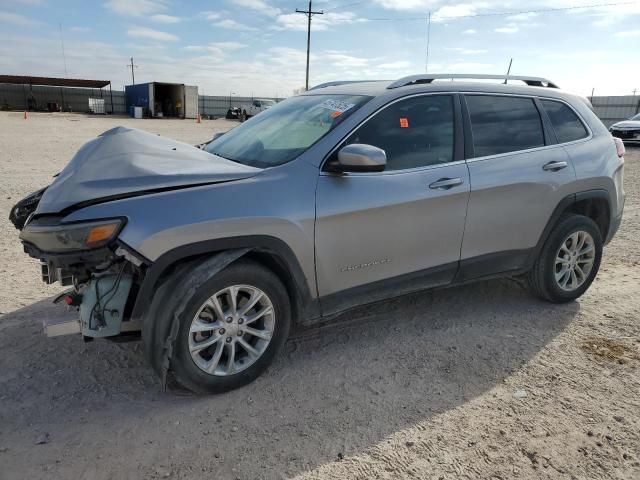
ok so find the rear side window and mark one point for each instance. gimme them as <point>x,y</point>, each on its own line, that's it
<point>415,132</point>
<point>566,123</point>
<point>504,124</point>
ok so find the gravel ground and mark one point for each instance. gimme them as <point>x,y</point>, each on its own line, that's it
<point>481,381</point>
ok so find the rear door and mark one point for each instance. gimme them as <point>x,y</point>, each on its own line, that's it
<point>386,233</point>
<point>519,174</point>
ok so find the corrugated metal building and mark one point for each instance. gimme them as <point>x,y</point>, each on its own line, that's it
<point>613,109</point>
<point>53,94</point>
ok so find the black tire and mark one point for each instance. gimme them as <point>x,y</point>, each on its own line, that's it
<point>184,306</point>
<point>541,278</point>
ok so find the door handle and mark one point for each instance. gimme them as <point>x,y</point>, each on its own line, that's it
<point>554,166</point>
<point>445,183</point>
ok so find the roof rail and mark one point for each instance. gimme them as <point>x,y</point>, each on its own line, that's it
<point>342,82</point>
<point>428,78</point>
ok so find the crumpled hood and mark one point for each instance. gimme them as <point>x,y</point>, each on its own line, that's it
<point>627,124</point>
<point>124,161</point>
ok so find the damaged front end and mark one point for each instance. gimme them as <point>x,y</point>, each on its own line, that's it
<point>103,272</point>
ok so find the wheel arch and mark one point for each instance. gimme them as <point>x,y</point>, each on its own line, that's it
<point>269,251</point>
<point>594,204</point>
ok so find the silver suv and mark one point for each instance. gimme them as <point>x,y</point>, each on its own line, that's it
<point>351,193</point>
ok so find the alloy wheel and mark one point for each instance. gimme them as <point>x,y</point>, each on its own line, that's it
<point>574,260</point>
<point>231,330</point>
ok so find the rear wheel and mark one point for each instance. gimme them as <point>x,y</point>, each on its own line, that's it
<point>231,328</point>
<point>568,261</point>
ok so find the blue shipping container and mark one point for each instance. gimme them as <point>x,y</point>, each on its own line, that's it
<point>137,96</point>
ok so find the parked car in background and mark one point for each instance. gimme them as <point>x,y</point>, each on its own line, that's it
<point>350,193</point>
<point>248,110</point>
<point>627,130</point>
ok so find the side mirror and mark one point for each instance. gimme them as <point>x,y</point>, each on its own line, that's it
<point>359,157</point>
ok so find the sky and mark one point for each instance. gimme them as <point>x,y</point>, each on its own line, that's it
<point>258,47</point>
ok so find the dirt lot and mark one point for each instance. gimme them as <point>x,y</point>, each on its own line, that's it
<point>482,381</point>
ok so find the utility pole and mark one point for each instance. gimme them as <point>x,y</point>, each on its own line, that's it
<point>64,57</point>
<point>309,13</point>
<point>426,68</point>
<point>132,66</point>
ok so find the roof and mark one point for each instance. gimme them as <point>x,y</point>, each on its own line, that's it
<point>408,85</point>
<point>53,82</point>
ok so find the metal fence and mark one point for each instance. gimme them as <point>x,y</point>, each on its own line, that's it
<point>22,97</point>
<point>613,109</point>
<point>25,97</point>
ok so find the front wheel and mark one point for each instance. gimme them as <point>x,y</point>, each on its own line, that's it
<point>568,261</point>
<point>231,328</point>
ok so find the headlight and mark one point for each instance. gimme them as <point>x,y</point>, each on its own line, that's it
<point>72,236</point>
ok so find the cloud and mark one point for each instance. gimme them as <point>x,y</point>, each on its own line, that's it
<point>219,49</point>
<point>466,51</point>
<point>507,29</point>
<point>469,31</point>
<point>454,11</point>
<point>628,34</point>
<point>29,2</point>
<point>80,29</point>
<point>343,60</point>
<point>151,34</point>
<point>469,66</point>
<point>136,8</point>
<point>233,25</point>
<point>211,15</point>
<point>228,45</point>
<point>260,6</point>
<point>162,18</point>
<point>298,22</point>
<point>397,65</point>
<point>522,17</point>
<point>18,20</point>
<point>407,4</point>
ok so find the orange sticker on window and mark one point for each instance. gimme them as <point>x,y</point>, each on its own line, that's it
<point>335,114</point>
<point>404,122</point>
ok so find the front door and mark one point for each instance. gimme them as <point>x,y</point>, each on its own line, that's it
<point>400,230</point>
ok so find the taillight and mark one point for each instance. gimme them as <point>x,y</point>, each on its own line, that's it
<point>619,147</point>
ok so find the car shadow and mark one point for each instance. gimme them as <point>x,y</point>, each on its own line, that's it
<point>336,390</point>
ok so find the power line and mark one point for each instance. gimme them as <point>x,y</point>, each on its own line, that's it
<point>498,14</point>
<point>352,4</point>
<point>309,13</point>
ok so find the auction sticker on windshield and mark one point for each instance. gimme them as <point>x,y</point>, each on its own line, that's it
<point>336,105</point>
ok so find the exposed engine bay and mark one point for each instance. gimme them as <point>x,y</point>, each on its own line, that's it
<point>102,279</point>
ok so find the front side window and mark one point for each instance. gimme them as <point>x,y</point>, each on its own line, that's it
<point>503,124</point>
<point>415,132</point>
<point>566,123</point>
<point>286,130</point>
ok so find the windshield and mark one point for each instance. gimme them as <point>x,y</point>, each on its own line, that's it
<point>286,130</point>
<point>269,103</point>
<point>635,117</point>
